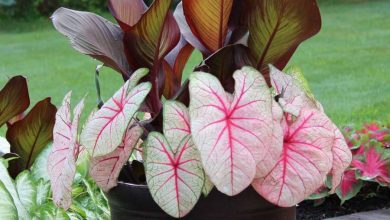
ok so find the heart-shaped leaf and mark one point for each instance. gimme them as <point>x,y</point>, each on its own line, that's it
<point>127,12</point>
<point>105,169</point>
<point>7,184</point>
<point>14,99</point>
<point>275,150</point>
<point>152,37</point>
<point>342,157</point>
<point>29,136</point>
<point>175,179</point>
<point>7,207</point>
<point>104,132</point>
<point>208,20</point>
<point>176,123</point>
<point>93,35</point>
<point>277,28</point>
<point>292,94</point>
<point>349,186</point>
<point>305,161</point>
<point>232,133</point>
<point>61,165</point>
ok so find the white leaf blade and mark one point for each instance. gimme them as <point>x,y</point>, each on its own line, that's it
<point>104,132</point>
<point>306,160</point>
<point>105,169</point>
<point>175,181</point>
<point>231,135</point>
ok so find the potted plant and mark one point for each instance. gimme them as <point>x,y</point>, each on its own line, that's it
<point>250,138</point>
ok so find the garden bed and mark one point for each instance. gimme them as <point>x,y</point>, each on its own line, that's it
<point>370,198</point>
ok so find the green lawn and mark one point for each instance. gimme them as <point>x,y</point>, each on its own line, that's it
<point>347,64</point>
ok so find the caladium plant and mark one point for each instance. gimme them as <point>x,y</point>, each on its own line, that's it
<point>371,159</point>
<point>236,122</point>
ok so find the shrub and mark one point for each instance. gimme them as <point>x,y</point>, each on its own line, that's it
<point>28,9</point>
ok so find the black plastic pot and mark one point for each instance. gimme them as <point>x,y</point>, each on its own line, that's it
<point>129,201</point>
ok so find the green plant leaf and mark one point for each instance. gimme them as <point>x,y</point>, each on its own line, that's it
<point>43,192</point>
<point>208,20</point>
<point>14,99</point>
<point>277,28</point>
<point>8,209</point>
<point>29,136</point>
<point>27,190</point>
<point>39,168</point>
<point>8,183</point>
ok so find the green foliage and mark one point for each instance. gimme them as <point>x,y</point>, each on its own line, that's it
<point>29,196</point>
<point>28,9</point>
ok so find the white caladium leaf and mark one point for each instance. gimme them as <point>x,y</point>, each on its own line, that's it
<point>275,150</point>
<point>27,189</point>
<point>7,207</point>
<point>104,132</point>
<point>175,180</point>
<point>342,157</point>
<point>8,184</point>
<point>232,135</point>
<point>176,123</point>
<point>305,161</point>
<point>105,169</point>
<point>61,165</point>
<point>293,94</point>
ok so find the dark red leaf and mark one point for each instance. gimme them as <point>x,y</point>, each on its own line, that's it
<point>29,136</point>
<point>14,99</point>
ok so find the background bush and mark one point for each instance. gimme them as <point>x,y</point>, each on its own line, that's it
<point>28,9</point>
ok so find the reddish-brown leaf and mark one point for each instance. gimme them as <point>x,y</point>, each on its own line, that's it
<point>153,37</point>
<point>93,35</point>
<point>208,20</point>
<point>29,136</point>
<point>277,28</point>
<point>127,12</point>
<point>14,99</point>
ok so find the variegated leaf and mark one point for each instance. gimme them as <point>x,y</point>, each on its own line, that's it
<point>104,132</point>
<point>305,161</point>
<point>175,180</point>
<point>232,133</point>
<point>62,159</point>
<point>105,169</point>
<point>176,123</point>
<point>7,184</point>
<point>342,157</point>
<point>275,150</point>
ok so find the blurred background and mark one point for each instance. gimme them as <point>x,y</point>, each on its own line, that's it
<point>347,64</point>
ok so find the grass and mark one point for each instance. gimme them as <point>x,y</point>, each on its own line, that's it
<point>347,64</point>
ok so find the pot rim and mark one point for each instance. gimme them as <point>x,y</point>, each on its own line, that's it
<point>133,185</point>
